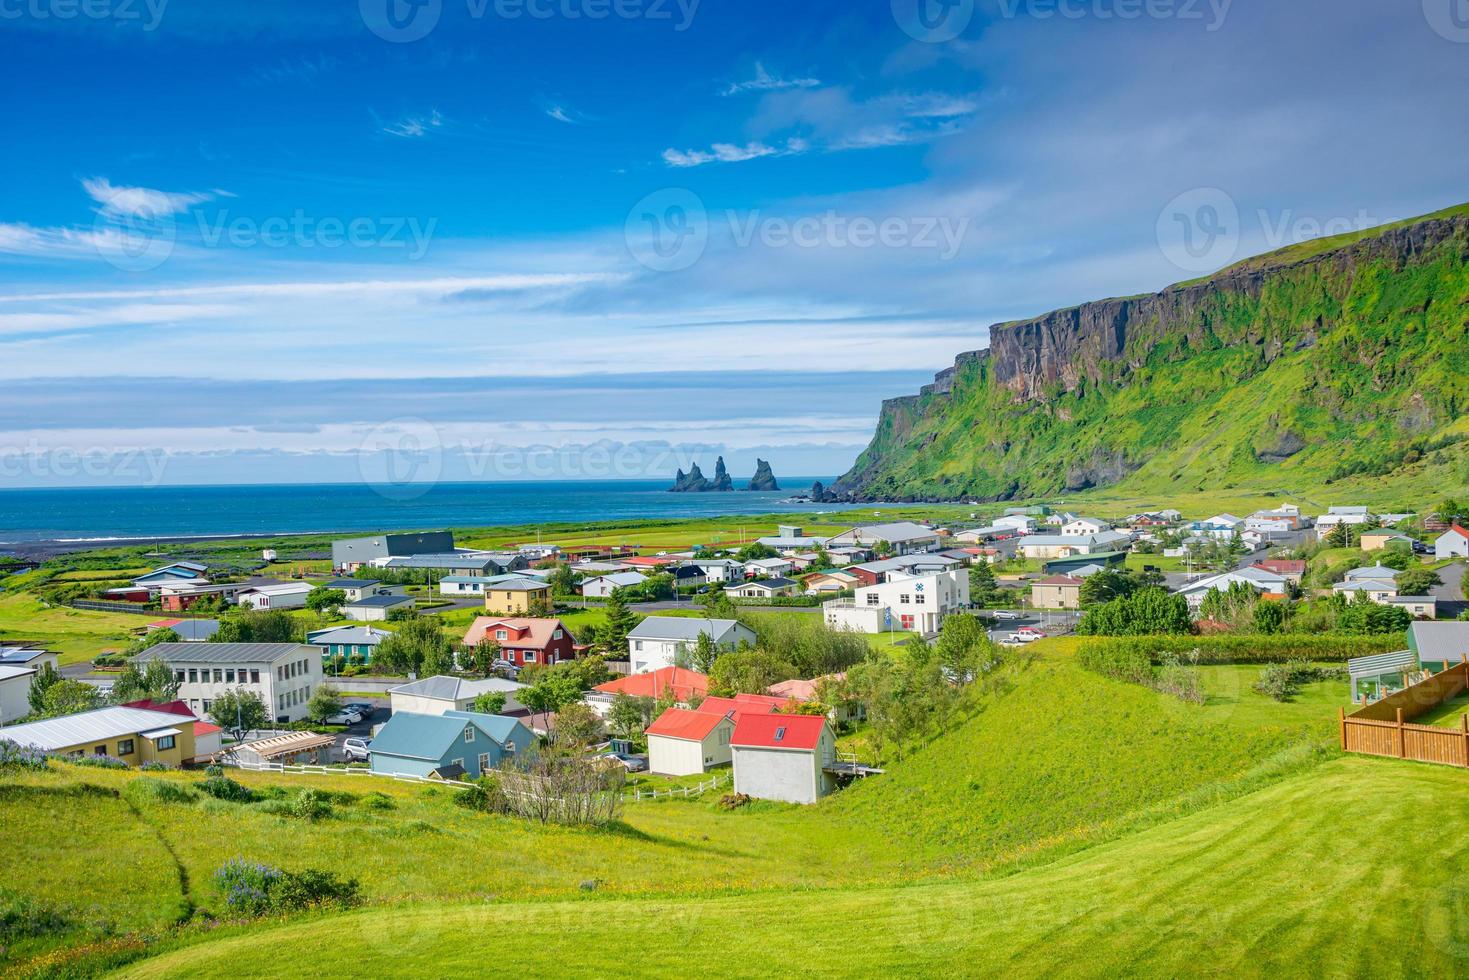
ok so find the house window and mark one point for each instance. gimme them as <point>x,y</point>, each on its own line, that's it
<point>229,676</point>
<point>637,645</point>
<point>254,677</point>
<point>873,599</point>
<point>207,705</point>
<point>193,676</point>
<point>469,733</point>
<point>528,656</point>
<point>556,635</point>
<point>501,635</point>
<point>178,675</point>
<point>218,675</point>
<point>99,750</point>
<point>904,600</point>
<point>165,743</point>
<point>125,747</point>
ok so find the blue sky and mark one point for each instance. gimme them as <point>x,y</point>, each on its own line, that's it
<point>269,240</point>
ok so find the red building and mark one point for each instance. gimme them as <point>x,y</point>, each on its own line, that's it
<point>525,641</point>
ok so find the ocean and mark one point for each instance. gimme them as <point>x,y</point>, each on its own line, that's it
<point>75,516</point>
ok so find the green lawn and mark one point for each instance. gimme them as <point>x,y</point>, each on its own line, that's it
<point>77,635</point>
<point>1260,886</point>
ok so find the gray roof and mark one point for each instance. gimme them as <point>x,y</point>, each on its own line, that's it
<point>680,628</point>
<point>379,601</point>
<point>1439,641</point>
<point>1382,663</point>
<point>773,583</point>
<point>89,726</point>
<point>894,533</point>
<point>349,583</point>
<point>522,585</point>
<point>196,629</point>
<point>360,635</point>
<point>449,561</point>
<point>455,688</point>
<point>223,653</point>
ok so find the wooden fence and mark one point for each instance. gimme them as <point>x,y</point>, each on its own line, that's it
<point>335,771</point>
<point>1384,727</point>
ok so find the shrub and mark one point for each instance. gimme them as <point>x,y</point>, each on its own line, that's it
<point>246,886</point>
<point>252,888</point>
<point>155,767</point>
<point>224,788</point>
<point>97,761</point>
<point>1125,663</point>
<point>1282,682</point>
<point>17,758</point>
<point>378,801</point>
<point>733,801</point>
<point>311,804</point>
<point>149,790</point>
<point>485,795</point>
<point>22,917</point>
<point>1238,649</point>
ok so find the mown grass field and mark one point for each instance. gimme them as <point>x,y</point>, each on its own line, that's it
<point>1264,885</point>
<point>77,635</point>
<point>1058,764</point>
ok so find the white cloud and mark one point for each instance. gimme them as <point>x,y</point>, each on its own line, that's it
<point>564,115</point>
<point>115,201</point>
<point>732,153</point>
<point>414,127</point>
<point>764,81</point>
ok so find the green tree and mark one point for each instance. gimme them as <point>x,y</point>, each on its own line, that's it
<point>552,690</point>
<point>325,702</point>
<point>747,672</point>
<point>411,646</point>
<point>750,552</point>
<point>964,648</point>
<point>629,716</point>
<point>1417,581</point>
<point>259,626</point>
<point>1149,610</point>
<point>155,682</point>
<point>46,678</point>
<point>612,636</point>
<point>151,639</point>
<point>321,598</point>
<point>69,697</point>
<point>1104,586</point>
<point>983,590</point>
<point>1269,617</point>
<point>563,580</point>
<point>490,702</point>
<point>702,657</point>
<point>239,710</point>
<point>718,603</point>
<point>577,726</point>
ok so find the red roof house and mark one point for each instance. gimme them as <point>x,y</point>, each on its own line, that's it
<point>525,641</point>
<point>679,681</point>
<point>783,757</point>
<point>800,732</point>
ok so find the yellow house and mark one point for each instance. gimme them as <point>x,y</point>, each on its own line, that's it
<point>1380,540</point>
<point>515,598</point>
<point>134,735</point>
<point>1056,592</point>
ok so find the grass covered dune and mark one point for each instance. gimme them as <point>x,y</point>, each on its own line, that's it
<point>1356,868</point>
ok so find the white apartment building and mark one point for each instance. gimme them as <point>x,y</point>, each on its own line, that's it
<point>283,674</point>
<point>917,603</point>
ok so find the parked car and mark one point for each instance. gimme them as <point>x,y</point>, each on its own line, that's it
<point>1010,640</point>
<point>356,749</point>
<point>1018,637</point>
<point>1005,614</point>
<point>1032,632</point>
<point>344,717</point>
<point>632,763</point>
<point>364,708</point>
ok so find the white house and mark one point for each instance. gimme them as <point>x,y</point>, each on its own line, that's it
<point>376,608</point>
<point>721,569</point>
<point>470,585</point>
<point>1378,572</point>
<point>1015,524</point>
<point>1343,515</point>
<point>359,588</point>
<point>283,674</point>
<point>1378,590</point>
<point>1453,543</point>
<point>1259,579</point>
<point>31,657</point>
<point>602,585</point>
<point>914,602</point>
<point>768,567</point>
<point>1084,527</point>
<point>662,641</point>
<point>906,537</point>
<point>763,589</point>
<point>1068,545</point>
<point>288,595</point>
<point>437,695</point>
<point>15,689</point>
<point>683,742</point>
<point>783,757</point>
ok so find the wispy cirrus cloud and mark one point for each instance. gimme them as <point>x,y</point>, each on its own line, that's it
<point>116,200</point>
<point>415,127</point>
<point>732,153</point>
<point>764,81</point>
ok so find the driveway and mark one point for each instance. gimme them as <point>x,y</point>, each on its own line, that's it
<point>1450,595</point>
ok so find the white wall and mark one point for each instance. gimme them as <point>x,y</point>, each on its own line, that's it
<point>777,774</point>
<point>15,697</point>
<point>683,757</point>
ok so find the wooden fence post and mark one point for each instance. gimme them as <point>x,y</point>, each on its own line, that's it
<point>1341,717</point>
<point>1402,743</point>
<point>1464,727</point>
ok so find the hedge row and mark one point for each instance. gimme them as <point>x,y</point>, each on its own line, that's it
<point>1099,653</point>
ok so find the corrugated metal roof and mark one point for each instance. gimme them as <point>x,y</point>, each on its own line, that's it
<point>454,688</point>
<point>1439,641</point>
<point>224,653</point>
<point>88,726</point>
<point>1382,663</point>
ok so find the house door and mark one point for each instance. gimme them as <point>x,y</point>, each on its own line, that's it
<point>484,761</point>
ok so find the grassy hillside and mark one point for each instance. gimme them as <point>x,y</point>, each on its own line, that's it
<point>1311,875</point>
<point>1331,368</point>
<point>1063,760</point>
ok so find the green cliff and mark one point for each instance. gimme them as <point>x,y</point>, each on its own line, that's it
<point>1338,362</point>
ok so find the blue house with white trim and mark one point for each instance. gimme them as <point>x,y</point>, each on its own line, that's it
<point>447,746</point>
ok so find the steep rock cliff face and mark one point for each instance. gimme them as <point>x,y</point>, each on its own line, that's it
<point>1323,361</point>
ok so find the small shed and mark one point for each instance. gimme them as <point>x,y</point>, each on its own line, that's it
<point>1377,676</point>
<point>290,749</point>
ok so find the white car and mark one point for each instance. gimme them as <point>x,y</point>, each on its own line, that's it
<point>1005,614</point>
<point>356,749</point>
<point>347,716</point>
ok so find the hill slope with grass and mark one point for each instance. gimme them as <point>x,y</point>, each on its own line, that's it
<point>1328,364</point>
<point>1050,761</point>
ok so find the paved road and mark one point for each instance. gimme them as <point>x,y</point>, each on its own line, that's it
<point>1450,595</point>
